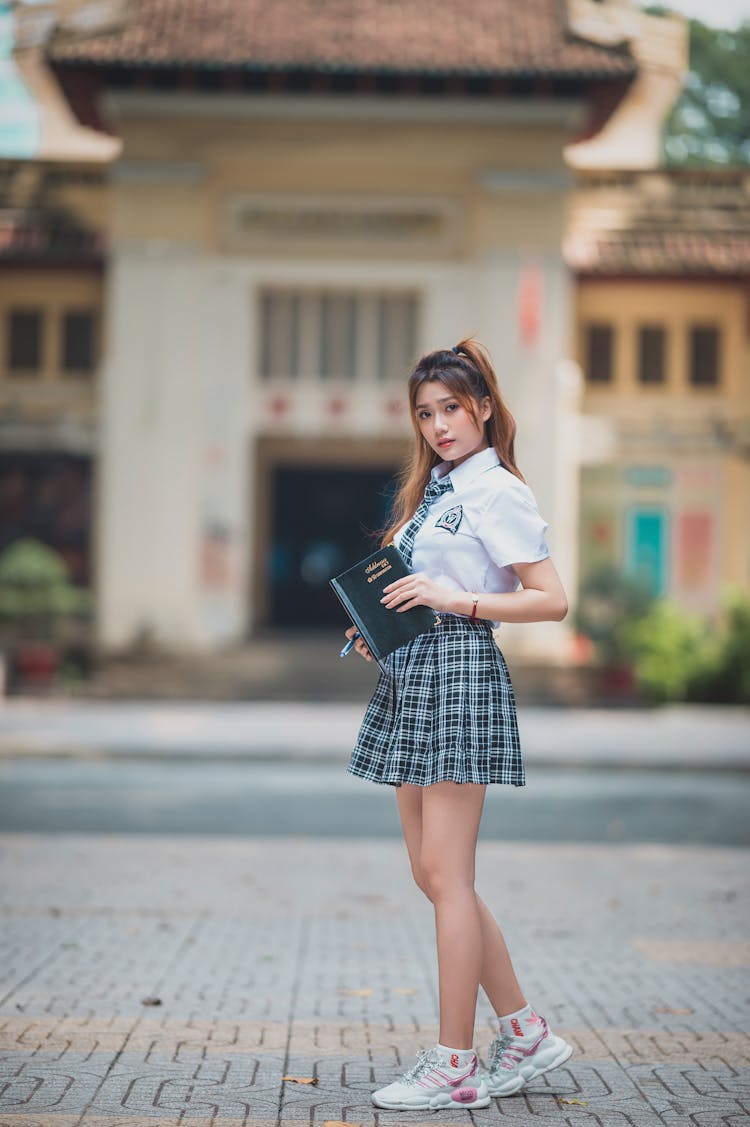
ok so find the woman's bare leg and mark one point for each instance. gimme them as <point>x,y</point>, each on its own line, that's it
<point>450,824</point>
<point>498,979</point>
<point>497,976</point>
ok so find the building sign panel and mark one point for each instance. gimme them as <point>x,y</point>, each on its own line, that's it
<point>695,549</point>
<point>303,223</point>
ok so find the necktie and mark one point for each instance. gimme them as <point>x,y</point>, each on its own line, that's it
<point>433,490</point>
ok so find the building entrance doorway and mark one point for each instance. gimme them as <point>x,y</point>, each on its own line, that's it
<point>323,519</point>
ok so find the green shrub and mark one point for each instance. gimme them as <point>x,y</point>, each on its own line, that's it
<point>35,592</point>
<point>669,650</point>
<point>675,655</point>
<point>727,678</point>
<point>679,656</point>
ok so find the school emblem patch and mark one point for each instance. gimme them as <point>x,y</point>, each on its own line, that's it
<point>450,519</point>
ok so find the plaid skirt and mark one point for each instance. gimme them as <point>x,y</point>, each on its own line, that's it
<point>444,709</point>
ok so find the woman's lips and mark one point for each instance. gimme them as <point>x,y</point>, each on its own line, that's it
<point>446,442</point>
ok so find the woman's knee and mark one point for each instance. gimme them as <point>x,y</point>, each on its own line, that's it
<point>438,880</point>
<point>421,881</point>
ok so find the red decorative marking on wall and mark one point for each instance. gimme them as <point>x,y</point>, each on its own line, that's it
<point>215,560</point>
<point>394,408</point>
<point>530,303</point>
<point>214,455</point>
<point>279,405</point>
<point>602,531</point>
<point>337,407</point>
<point>694,545</point>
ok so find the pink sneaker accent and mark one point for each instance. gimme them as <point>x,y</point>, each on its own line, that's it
<point>515,1052</point>
<point>433,1083</point>
<point>465,1095</point>
<point>513,1064</point>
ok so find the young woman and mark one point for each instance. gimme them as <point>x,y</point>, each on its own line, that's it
<point>442,722</point>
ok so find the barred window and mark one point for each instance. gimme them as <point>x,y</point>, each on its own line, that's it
<point>336,334</point>
<point>397,335</point>
<point>651,354</point>
<point>704,355</point>
<point>599,352</point>
<point>78,347</point>
<point>279,317</point>
<point>25,328</point>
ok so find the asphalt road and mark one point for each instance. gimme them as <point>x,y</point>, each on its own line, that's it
<point>320,799</point>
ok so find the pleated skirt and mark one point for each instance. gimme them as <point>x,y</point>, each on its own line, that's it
<point>443,710</point>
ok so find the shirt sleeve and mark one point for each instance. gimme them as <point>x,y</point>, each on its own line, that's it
<point>512,528</point>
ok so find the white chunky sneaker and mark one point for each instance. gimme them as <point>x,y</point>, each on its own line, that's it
<point>434,1083</point>
<point>514,1061</point>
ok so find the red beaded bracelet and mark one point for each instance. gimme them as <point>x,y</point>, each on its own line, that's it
<point>473,614</point>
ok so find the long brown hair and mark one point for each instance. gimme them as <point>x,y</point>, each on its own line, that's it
<point>467,372</point>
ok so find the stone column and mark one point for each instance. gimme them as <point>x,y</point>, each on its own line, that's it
<point>148,519</point>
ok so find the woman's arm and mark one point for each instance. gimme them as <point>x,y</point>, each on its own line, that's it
<point>541,598</point>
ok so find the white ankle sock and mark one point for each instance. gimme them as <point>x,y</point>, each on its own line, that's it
<point>522,1023</point>
<point>458,1057</point>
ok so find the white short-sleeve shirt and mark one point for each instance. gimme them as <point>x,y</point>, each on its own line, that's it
<point>473,535</point>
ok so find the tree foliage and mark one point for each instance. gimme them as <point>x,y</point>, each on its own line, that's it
<point>710,123</point>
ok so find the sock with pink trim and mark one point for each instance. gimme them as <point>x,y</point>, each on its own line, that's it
<point>522,1023</point>
<point>458,1058</point>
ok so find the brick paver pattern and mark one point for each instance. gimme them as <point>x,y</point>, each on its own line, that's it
<point>315,959</point>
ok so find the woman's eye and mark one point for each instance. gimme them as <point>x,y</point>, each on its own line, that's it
<point>423,415</point>
<point>452,407</point>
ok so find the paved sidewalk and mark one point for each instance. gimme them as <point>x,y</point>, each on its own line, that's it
<point>314,959</point>
<point>698,737</point>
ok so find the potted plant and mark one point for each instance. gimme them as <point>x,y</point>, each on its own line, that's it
<point>36,600</point>
<point>608,602</point>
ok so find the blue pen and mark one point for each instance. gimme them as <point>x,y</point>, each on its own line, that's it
<point>350,644</point>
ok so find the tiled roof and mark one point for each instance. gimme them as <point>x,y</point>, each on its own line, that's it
<point>424,37</point>
<point>659,252</point>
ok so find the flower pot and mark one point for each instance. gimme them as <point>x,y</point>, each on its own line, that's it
<point>34,665</point>
<point>618,680</point>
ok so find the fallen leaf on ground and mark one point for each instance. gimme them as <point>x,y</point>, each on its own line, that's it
<point>357,993</point>
<point>583,1103</point>
<point>672,1010</point>
<point>150,1001</point>
<point>339,1123</point>
<point>301,1079</point>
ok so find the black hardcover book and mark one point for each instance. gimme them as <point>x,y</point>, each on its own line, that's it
<point>360,590</point>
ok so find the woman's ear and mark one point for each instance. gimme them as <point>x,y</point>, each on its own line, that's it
<point>485,409</point>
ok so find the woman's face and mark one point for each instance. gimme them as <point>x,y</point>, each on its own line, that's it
<point>447,426</point>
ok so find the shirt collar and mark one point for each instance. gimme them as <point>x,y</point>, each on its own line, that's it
<point>469,470</point>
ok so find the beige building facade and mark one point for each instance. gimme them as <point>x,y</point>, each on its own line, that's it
<point>289,230</point>
<point>266,295</point>
<point>662,295</point>
<point>51,343</point>
<point>286,231</point>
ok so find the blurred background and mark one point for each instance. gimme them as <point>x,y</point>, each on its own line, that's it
<point>227,227</point>
<point>225,232</point>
